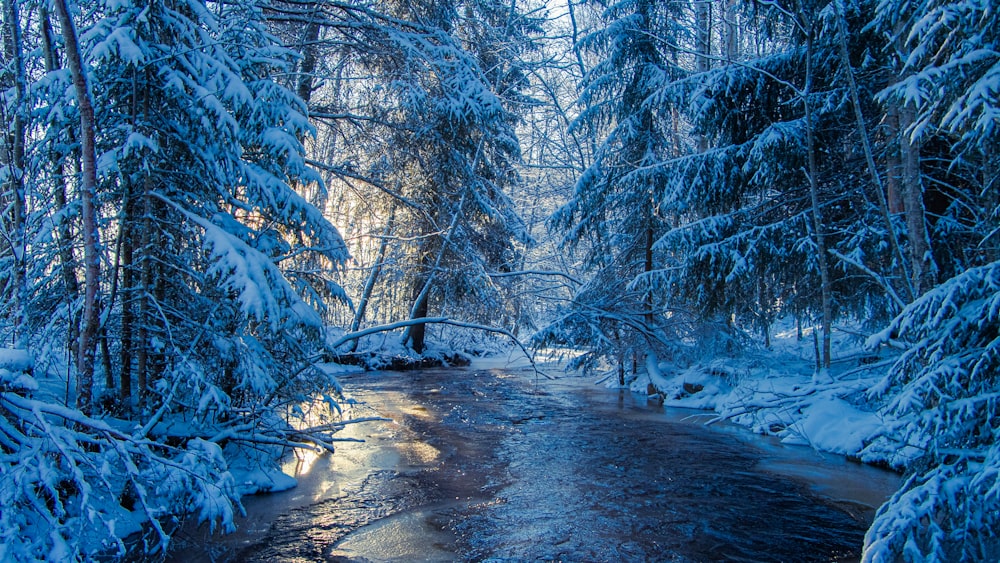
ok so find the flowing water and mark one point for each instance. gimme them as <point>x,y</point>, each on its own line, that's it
<point>495,464</point>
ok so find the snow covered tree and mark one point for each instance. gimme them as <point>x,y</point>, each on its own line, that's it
<point>461,156</point>
<point>779,218</point>
<point>943,387</point>
<point>618,210</point>
<point>88,211</point>
<point>424,147</point>
<point>206,159</point>
<point>768,192</point>
<point>944,70</point>
<point>14,108</point>
<point>186,156</point>
<point>943,391</point>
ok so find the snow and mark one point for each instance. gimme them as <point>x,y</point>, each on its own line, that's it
<point>775,392</point>
<point>121,42</point>
<point>653,372</point>
<point>15,367</point>
<point>257,480</point>
<point>16,360</point>
<point>833,425</point>
<point>334,369</point>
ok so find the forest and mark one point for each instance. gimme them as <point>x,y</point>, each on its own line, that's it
<point>203,201</point>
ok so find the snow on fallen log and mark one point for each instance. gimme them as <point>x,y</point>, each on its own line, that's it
<point>16,360</point>
<point>16,367</point>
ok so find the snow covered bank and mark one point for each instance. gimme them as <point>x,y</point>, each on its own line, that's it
<point>776,392</point>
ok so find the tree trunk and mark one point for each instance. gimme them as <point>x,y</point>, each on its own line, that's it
<point>893,162</point>
<point>414,334</point>
<point>307,69</point>
<point>128,290</point>
<point>703,31</point>
<point>647,268</point>
<point>13,160</point>
<point>923,268</point>
<point>88,212</point>
<point>373,276</point>
<point>869,157</point>
<point>703,25</point>
<point>129,287</point>
<point>732,38</point>
<point>63,227</point>
<point>764,305</point>
<point>145,289</point>
<point>418,332</point>
<point>826,297</point>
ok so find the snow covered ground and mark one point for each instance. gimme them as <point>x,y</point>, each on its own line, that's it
<point>778,392</point>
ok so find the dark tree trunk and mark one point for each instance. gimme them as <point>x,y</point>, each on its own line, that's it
<point>13,160</point>
<point>647,268</point>
<point>922,266</point>
<point>88,212</point>
<point>819,226</point>
<point>894,164</point>
<point>420,308</point>
<point>145,290</point>
<point>304,87</point>
<point>127,300</point>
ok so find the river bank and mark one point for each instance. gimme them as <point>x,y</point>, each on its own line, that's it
<point>780,392</point>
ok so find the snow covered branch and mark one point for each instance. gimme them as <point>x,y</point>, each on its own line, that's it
<point>572,279</point>
<point>436,320</point>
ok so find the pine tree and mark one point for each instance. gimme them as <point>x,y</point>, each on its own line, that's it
<point>619,208</point>
<point>944,383</point>
<point>206,161</point>
<point>774,222</point>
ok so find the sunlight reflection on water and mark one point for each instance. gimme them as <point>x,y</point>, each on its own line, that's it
<point>544,469</point>
<point>409,536</point>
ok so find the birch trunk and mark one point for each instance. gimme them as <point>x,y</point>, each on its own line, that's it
<point>732,38</point>
<point>64,232</point>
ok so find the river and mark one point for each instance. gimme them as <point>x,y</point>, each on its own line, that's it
<point>498,464</point>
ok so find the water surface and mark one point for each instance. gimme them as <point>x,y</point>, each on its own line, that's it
<point>497,464</point>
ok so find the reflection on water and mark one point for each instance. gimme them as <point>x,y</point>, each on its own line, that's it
<point>419,453</point>
<point>404,537</point>
<point>480,464</point>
